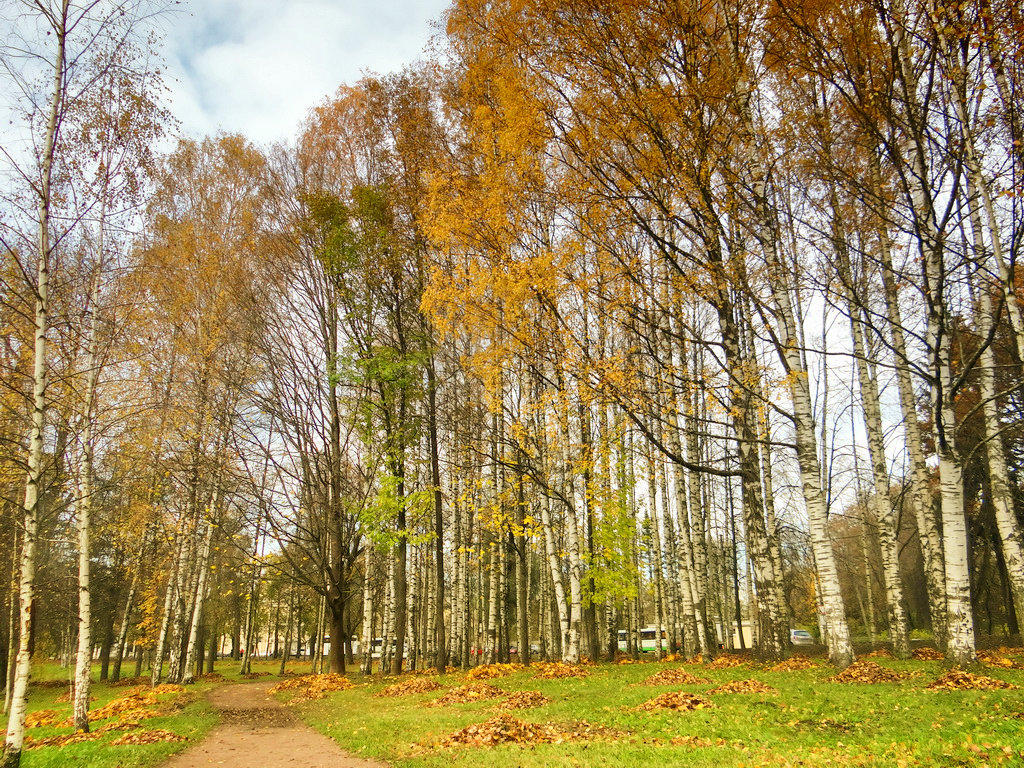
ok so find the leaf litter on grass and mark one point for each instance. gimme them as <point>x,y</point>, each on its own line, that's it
<point>312,687</point>
<point>681,701</point>
<point>523,700</point>
<point>506,729</point>
<point>793,664</point>
<point>745,686</point>
<point>43,718</point>
<point>675,676</point>
<point>466,694</point>
<point>865,671</point>
<point>994,659</point>
<point>411,686</point>
<point>491,671</point>
<point>154,736</point>
<point>558,670</point>
<point>959,680</point>
<point>926,653</point>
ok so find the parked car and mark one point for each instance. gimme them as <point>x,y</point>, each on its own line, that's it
<point>800,637</point>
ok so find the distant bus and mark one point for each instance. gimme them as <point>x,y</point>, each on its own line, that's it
<point>648,639</point>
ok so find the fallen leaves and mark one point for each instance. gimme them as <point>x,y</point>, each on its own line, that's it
<point>864,671</point>
<point>794,664</point>
<point>674,677</point>
<point>168,688</point>
<point>996,660</point>
<point>557,670</point>
<point>411,686</point>
<point>491,671</point>
<point>154,736</point>
<point>745,686</point>
<point>506,729</point>
<point>43,718</point>
<point>61,741</point>
<point>958,680</point>
<point>927,654</point>
<point>255,675</point>
<point>523,700</point>
<point>136,699</point>
<point>311,687</point>
<point>466,694</point>
<point>681,701</point>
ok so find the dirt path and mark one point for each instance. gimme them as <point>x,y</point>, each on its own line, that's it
<point>257,730</point>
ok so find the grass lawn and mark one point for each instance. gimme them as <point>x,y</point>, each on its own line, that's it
<point>184,714</point>
<point>811,721</point>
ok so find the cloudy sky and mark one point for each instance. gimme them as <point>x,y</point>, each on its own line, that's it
<point>257,66</point>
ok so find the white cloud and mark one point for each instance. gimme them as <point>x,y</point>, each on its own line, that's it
<point>257,66</point>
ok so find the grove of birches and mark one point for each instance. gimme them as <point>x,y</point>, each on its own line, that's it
<point>605,314</point>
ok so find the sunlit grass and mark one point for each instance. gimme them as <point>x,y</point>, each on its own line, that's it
<point>812,721</point>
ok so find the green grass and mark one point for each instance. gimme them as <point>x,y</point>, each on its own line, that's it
<point>193,720</point>
<point>811,722</point>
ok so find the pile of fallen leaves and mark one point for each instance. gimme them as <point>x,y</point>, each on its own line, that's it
<point>506,729</point>
<point>411,686</point>
<point>879,653</point>
<point>674,676</point>
<point>147,737</point>
<point>312,687</point>
<point>136,699</point>
<point>61,741</point>
<point>996,660</point>
<point>468,693</point>
<point>745,686</point>
<point>726,661</point>
<point>864,671</point>
<point>169,688</point>
<point>557,670</point>
<point>213,677</point>
<point>524,700</point>
<point>680,701</point>
<point>928,654</point>
<point>491,671</point>
<point>255,675</point>
<point>43,718</point>
<point>673,657</point>
<point>793,665</point>
<point>958,680</point>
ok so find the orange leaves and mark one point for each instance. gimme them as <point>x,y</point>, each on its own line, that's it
<point>681,701</point>
<point>409,687</point>
<point>154,736</point>
<point>523,700</point>
<point>490,671</point>
<point>793,664</point>
<point>958,680</point>
<point>43,718</point>
<point>745,686</point>
<point>865,671</point>
<point>310,687</point>
<point>557,670</point>
<point>466,694</point>
<point>928,654</point>
<point>505,729</point>
<point>674,676</point>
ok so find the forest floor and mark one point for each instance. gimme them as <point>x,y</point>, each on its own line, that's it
<point>257,730</point>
